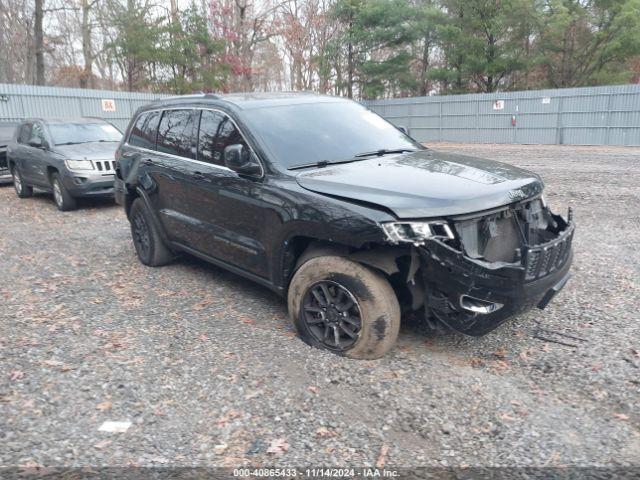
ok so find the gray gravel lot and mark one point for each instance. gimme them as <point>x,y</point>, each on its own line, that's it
<point>206,367</point>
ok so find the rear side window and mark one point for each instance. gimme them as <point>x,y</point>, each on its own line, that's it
<point>175,133</point>
<point>25,133</point>
<point>143,134</point>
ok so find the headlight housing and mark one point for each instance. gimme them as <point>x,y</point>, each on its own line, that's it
<point>79,165</point>
<point>416,232</point>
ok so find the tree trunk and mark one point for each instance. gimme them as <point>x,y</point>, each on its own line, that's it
<point>39,42</point>
<point>350,65</point>
<point>86,79</point>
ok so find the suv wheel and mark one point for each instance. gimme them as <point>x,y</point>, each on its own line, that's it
<point>22,190</point>
<point>64,201</point>
<point>343,306</point>
<point>149,246</point>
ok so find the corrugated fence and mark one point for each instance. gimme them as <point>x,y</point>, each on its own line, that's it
<point>577,116</point>
<point>26,101</point>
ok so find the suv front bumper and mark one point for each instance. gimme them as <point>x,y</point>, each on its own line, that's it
<point>474,297</point>
<point>83,185</point>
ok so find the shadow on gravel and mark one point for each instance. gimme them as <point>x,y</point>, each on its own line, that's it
<point>243,286</point>
<point>45,198</point>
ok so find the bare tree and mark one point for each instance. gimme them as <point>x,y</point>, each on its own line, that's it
<point>38,36</point>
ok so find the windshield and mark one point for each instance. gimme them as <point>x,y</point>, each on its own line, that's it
<point>69,133</point>
<point>309,133</point>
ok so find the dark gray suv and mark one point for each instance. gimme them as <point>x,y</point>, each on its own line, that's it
<point>342,213</point>
<point>70,158</point>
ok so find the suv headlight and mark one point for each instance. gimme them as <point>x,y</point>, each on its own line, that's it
<point>416,232</point>
<point>79,164</point>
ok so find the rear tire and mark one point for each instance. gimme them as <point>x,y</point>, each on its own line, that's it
<point>147,241</point>
<point>22,190</point>
<point>342,306</point>
<point>62,198</point>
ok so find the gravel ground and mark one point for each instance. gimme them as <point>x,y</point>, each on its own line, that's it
<point>206,367</point>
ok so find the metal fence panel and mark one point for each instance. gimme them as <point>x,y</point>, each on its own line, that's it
<point>18,102</point>
<point>607,115</point>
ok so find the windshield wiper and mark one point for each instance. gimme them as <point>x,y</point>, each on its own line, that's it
<point>322,163</point>
<point>384,151</point>
<point>355,158</point>
<point>70,143</point>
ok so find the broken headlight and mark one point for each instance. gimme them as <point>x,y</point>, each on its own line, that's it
<point>416,232</point>
<point>76,165</point>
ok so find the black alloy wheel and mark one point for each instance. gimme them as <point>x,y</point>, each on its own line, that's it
<point>141,235</point>
<point>332,315</point>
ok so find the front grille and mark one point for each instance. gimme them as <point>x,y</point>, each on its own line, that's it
<point>105,165</point>
<point>547,258</point>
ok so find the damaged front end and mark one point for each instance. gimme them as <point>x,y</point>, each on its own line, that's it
<point>475,271</point>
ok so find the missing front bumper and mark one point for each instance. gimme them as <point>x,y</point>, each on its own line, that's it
<point>474,297</point>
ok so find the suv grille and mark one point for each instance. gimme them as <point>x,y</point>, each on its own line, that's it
<point>105,165</point>
<point>544,259</point>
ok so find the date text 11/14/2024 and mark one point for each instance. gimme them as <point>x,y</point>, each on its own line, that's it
<point>312,473</point>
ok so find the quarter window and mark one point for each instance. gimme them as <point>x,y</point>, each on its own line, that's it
<point>143,134</point>
<point>175,133</point>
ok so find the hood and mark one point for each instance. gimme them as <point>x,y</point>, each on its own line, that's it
<point>89,151</point>
<point>425,183</point>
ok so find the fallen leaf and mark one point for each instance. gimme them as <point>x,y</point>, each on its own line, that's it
<point>220,449</point>
<point>324,432</point>
<point>500,353</point>
<point>16,375</point>
<point>53,363</point>
<point>202,305</point>
<point>278,445</point>
<point>312,389</point>
<point>104,406</point>
<point>382,457</point>
<point>621,416</point>
<point>103,444</point>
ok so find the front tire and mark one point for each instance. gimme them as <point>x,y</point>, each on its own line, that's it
<point>342,306</point>
<point>63,199</point>
<point>22,190</point>
<point>149,246</point>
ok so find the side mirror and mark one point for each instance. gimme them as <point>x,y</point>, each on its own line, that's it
<point>240,160</point>
<point>404,130</point>
<point>36,142</point>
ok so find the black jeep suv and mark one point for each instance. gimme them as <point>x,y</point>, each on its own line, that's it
<point>328,204</point>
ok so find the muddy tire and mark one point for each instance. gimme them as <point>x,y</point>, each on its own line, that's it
<point>149,246</point>
<point>62,198</point>
<point>342,306</point>
<point>22,190</point>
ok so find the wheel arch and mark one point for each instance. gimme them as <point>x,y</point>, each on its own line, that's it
<point>50,171</point>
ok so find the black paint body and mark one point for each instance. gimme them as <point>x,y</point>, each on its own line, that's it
<point>260,225</point>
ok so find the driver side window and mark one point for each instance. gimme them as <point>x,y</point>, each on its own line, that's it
<point>217,131</point>
<point>37,132</point>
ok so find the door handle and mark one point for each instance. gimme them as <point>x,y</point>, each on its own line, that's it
<point>148,161</point>
<point>198,175</point>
